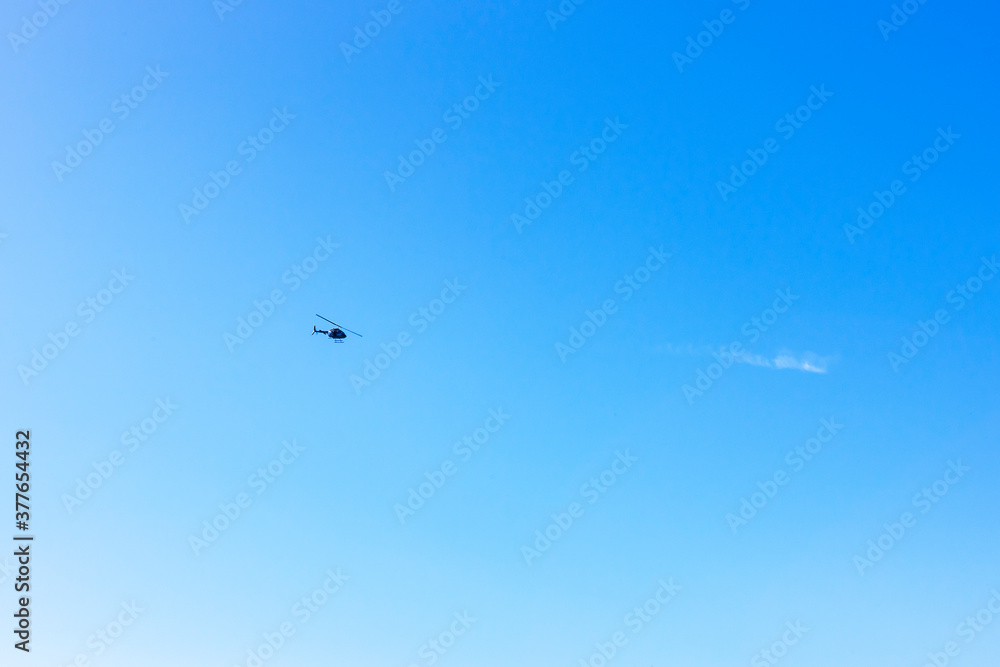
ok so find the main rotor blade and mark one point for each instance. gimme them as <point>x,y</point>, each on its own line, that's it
<point>353,332</point>
<point>339,326</point>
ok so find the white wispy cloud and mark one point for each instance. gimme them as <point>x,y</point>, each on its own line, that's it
<point>808,362</point>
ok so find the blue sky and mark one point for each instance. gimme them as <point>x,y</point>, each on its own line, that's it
<point>329,128</point>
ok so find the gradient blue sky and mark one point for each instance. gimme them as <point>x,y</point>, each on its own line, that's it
<point>323,176</point>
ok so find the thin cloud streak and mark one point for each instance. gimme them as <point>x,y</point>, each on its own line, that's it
<point>808,362</point>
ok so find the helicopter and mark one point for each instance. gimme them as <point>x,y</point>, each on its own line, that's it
<point>336,333</point>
